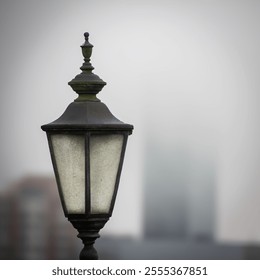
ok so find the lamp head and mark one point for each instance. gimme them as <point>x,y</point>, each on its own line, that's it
<point>87,145</point>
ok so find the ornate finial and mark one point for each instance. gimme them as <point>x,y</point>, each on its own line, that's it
<point>87,84</point>
<point>86,49</point>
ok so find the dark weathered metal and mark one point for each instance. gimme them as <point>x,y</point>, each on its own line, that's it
<point>87,84</point>
<point>88,232</point>
<point>87,116</point>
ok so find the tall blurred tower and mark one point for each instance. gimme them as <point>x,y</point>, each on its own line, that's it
<point>179,192</point>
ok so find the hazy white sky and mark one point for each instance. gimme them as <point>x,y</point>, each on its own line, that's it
<point>185,73</point>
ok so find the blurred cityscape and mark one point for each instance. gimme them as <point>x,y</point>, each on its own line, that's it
<point>32,226</point>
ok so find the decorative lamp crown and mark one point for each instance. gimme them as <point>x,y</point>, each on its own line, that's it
<point>87,84</point>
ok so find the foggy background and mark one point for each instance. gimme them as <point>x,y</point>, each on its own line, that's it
<point>184,73</point>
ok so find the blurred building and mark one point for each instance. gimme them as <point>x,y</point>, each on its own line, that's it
<point>179,193</point>
<point>32,225</point>
<point>4,227</point>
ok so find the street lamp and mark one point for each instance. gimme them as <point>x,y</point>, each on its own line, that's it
<point>87,145</point>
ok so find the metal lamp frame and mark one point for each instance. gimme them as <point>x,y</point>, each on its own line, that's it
<point>87,116</point>
<point>87,136</point>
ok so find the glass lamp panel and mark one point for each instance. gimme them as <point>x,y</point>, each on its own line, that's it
<point>105,154</point>
<point>69,153</point>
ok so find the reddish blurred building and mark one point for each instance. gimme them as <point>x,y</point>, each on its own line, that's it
<point>32,225</point>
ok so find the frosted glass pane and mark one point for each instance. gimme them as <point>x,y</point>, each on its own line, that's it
<point>105,152</point>
<point>69,153</point>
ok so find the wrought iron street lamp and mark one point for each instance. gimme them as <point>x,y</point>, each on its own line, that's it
<point>87,145</point>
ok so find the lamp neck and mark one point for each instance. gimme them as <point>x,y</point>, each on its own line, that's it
<point>88,229</point>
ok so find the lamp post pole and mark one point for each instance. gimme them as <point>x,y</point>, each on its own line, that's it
<point>87,145</point>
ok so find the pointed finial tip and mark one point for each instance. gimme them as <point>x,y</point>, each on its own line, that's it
<point>86,45</point>
<point>86,34</point>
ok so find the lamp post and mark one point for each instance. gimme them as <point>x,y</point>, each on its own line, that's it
<point>87,145</point>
